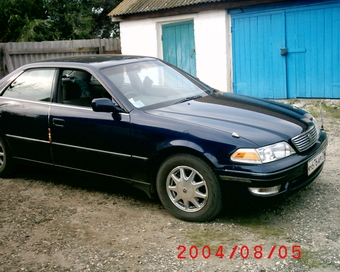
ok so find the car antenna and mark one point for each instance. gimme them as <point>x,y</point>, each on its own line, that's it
<point>322,128</point>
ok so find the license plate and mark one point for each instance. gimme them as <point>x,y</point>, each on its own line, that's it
<point>316,161</point>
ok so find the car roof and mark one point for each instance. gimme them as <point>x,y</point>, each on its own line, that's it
<point>98,61</point>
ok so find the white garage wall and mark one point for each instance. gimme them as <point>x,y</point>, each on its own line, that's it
<point>212,40</point>
<point>213,58</point>
<point>139,37</point>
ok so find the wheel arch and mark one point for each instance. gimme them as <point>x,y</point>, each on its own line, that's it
<point>177,147</point>
<point>6,164</point>
<point>4,138</point>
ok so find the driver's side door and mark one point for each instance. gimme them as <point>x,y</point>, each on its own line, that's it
<point>86,140</point>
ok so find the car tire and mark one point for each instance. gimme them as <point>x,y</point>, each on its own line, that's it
<point>188,188</point>
<point>6,164</point>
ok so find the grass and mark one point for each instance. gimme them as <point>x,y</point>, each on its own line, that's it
<point>309,259</point>
<point>260,228</point>
<point>213,238</point>
<point>333,112</point>
<point>314,108</point>
<point>327,110</point>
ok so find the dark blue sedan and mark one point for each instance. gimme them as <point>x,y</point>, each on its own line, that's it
<point>140,120</point>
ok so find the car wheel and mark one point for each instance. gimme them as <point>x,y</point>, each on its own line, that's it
<point>6,164</point>
<point>188,188</point>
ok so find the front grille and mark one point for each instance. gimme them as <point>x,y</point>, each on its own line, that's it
<point>306,140</point>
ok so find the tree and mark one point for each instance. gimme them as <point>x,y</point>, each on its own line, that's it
<point>16,17</point>
<point>69,19</point>
<point>39,20</point>
<point>103,25</point>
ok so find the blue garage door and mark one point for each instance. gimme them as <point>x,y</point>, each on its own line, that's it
<point>179,45</point>
<point>288,52</point>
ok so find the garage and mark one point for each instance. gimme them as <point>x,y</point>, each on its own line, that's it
<point>285,51</point>
<point>179,45</point>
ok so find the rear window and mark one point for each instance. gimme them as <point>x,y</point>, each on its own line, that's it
<point>34,85</point>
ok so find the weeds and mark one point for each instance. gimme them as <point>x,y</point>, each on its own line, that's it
<point>309,259</point>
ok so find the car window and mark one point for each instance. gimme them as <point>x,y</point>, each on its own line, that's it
<point>148,83</point>
<point>79,88</point>
<point>34,84</point>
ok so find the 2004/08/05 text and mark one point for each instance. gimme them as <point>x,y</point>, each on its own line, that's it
<point>243,251</point>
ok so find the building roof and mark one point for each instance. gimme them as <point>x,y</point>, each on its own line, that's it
<point>127,7</point>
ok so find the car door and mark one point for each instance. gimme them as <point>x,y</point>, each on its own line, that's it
<point>24,106</point>
<point>83,139</point>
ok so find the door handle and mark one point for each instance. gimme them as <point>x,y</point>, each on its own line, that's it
<point>284,51</point>
<point>58,122</point>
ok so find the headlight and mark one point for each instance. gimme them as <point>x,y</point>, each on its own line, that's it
<point>263,154</point>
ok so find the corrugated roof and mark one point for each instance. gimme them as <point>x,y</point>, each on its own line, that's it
<point>140,6</point>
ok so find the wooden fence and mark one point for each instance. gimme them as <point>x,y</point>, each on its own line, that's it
<point>14,55</point>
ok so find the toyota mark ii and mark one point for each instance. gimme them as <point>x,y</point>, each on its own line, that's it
<point>145,122</point>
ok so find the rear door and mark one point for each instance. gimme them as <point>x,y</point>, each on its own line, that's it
<point>86,140</point>
<point>24,107</point>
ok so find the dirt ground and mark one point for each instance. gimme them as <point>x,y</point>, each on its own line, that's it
<point>57,221</point>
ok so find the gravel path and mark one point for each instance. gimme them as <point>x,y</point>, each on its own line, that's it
<point>54,221</point>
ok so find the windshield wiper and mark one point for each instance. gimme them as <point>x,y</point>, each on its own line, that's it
<point>188,99</point>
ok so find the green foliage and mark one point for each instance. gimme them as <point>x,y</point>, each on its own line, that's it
<point>102,23</point>
<point>39,20</point>
<point>15,15</point>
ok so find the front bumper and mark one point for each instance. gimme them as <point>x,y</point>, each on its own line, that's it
<point>290,174</point>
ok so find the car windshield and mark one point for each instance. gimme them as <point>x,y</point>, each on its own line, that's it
<point>152,83</point>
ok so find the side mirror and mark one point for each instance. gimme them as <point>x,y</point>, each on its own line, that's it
<point>105,105</point>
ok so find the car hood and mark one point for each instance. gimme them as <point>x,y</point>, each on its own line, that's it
<point>260,121</point>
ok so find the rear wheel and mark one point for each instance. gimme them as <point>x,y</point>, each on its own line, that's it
<point>188,188</point>
<point>6,164</point>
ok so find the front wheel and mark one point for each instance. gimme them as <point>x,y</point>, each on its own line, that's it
<point>188,188</point>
